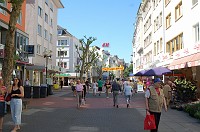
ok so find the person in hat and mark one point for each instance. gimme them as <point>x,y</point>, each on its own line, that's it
<point>154,101</point>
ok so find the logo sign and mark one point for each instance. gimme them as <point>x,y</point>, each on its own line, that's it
<point>105,45</point>
<point>30,49</point>
<point>112,68</point>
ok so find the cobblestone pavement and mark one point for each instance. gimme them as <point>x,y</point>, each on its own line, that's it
<point>58,113</point>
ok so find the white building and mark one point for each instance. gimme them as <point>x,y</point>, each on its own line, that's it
<point>66,55</point>
<point>170,36</point>
<point>41,25</point>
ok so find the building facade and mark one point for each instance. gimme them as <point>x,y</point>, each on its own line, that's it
<point>171,37</point>
<point>21,40</point>
<point>41,25</point>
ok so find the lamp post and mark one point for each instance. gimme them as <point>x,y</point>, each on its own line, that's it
<point>46,68</point>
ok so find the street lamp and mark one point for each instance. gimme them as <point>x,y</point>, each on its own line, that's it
<point>46,68</point>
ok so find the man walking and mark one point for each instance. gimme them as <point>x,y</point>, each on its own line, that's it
<point>115,89</point>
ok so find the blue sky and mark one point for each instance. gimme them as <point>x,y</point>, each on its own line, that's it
<point>108,20</point>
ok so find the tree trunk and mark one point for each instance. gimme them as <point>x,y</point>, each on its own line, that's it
<point>8,62</point>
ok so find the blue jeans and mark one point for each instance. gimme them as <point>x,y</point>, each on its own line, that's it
<point>16,110</point>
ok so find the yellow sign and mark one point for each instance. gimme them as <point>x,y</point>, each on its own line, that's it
<point>112,68</point>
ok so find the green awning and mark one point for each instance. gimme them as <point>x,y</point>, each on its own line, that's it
<point>63,75</point>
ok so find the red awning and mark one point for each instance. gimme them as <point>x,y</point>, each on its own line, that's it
<point>24,63</point>
<point>188,61</point>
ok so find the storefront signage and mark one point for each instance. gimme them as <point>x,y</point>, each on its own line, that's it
<point>112,68</point>
<point>30,49</point>
<point>186,51</point>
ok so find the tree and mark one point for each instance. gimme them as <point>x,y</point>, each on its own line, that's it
<point>98,65</point>
<point>86,54</point>
<point>8,62</point>
<point>128,70</point>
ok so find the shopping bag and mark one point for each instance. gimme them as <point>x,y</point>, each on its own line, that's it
<point>82,101</point>
<point>149,122</point>
<point>8,97</point>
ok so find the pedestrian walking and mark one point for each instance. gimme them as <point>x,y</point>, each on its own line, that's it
<point>61,84</point>
<point>27,82</point>
<point>79,91</point>
<point>116,88</point>
<point>94,87</point>
<point>84,89</point>
<point>107,85</point>
<point>73,86</point>
<point>154,100</point>
<point>100,85</point>
<point>128,93</point>
<point>2,103</point>
<point>17,93</point>
<point>87,84</point>
<point>167,90</point>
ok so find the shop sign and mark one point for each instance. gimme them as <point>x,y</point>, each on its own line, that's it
<point>186,51</point>
<point>112,68</point>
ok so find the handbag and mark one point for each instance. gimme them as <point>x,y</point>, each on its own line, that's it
<point>8,97</point>
<point>149,122</point>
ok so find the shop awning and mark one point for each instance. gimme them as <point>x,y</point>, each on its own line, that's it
<point>63,75</point>
<point>188,61</point>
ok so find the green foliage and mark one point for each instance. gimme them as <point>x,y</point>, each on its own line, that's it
<point>1,1</point>
<point>193,110</point>
<point>128,70</point>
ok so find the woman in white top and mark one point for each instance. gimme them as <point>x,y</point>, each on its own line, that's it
<point>94,87</point>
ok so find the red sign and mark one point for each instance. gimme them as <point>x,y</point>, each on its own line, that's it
<point>105,45</point>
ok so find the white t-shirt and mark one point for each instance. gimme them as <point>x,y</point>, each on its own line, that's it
<point>94,85</point>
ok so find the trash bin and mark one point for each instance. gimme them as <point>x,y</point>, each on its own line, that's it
<point>36,91</point>
<point>50,92</point>
<point>43,91</point>
<point>27,91</point>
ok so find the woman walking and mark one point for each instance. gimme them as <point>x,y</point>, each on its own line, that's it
<point>17,93</point>
<point>79,90</point>
<point>2,103</point>
<point>107,85</point>
<point>94,87</point>
<point>128,92</point>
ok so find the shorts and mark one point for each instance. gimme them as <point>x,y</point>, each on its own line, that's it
<point>99,88</point>
<point>73,88</point>
<point>2,109</point>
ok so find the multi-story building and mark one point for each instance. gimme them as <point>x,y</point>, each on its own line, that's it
<point>21,39</point>
<point>41,25</point>
<point>66,55</point>
<point>172,37</point>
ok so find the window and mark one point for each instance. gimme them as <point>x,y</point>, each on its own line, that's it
<point>196,32</point>
<point>45,34</point>
<point>4,4</point>
<point>62,42</point>
<point>46,18</point>
<point>168,21</point>
<point>160,44</point>
<point>194,2</point>
<point>51,22</point>
<point>59,32</point>
<point>46,2</point>
<point>167,2</point>
<point>158,47</point>
<point>160,19</point>
<point>51,7</point>
<point>178,11</point>
<point>175,44</point>
<point>62,53</point>
<point>50,37</point>
<point>154,48</point>
<point>38,50</point>
<point>39,11</point>
<point>39,30</point>
<point>19,20</point>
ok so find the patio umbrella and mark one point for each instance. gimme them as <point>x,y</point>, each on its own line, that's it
<point>140,73</point>
<point>157,71</point>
